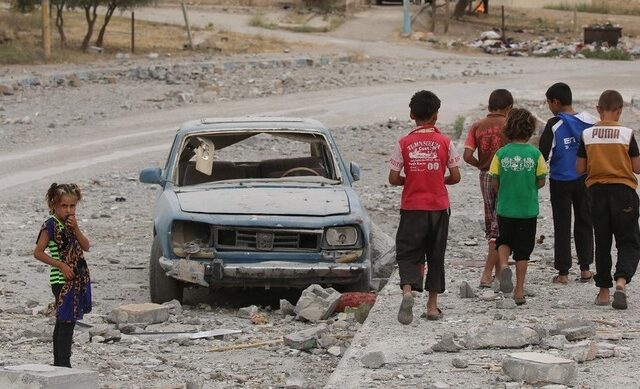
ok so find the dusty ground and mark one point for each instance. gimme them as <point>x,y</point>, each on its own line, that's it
<point>76,134</point>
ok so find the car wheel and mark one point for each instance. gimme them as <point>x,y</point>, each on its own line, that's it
<point>161,287</point>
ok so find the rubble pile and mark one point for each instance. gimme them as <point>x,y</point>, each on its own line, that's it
<point>491,42</point>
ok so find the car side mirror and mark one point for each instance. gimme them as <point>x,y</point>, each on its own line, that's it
<point>355,171</point>
<point>151,175</point>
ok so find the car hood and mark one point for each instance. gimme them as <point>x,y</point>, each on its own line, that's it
<point>321,201</point>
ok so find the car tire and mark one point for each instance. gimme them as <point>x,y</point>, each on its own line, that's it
<point>161,287</point>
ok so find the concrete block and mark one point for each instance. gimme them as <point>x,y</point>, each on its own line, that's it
<point>500,337</point>
<point>140,313</point>
<point>35,376</point>
<point>536,368</point>
<point>317,303</point>
<point>579,333</point>
<point>556,341</point>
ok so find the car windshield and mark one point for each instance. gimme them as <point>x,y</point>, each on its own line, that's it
<point>255,156</point>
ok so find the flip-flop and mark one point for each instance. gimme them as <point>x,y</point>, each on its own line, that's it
<point>520,301</point>
<point>556,280</point>
<point>598,303</point>
<point>486,285</point>
<point>506,283</point>
<point>405,313</point>
<point>586,279</point>
<point>438,316</point>
<point>619,299</point>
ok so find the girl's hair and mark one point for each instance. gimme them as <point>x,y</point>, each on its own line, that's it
<point>58,190</point>
<point>520,125</point>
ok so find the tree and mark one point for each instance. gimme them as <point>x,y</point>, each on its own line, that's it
<point>90,8</point>
<point>25,6</point>
<point>59,6</point>
<point>112,5</point>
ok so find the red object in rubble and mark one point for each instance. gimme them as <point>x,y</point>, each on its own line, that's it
<point>355,299</point>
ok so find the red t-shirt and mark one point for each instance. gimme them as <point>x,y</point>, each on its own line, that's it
<point>425,154</point>
<point>486,136</point>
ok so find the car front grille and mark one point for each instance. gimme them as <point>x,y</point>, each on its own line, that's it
<point>267,239</point>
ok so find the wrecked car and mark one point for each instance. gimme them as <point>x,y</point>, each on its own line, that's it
<point>256,202</point>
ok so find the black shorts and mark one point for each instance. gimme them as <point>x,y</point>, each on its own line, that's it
<point>518,234</point>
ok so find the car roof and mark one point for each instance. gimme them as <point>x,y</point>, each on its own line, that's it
<point>252,123</point>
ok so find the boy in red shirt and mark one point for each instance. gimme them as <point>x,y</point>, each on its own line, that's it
<point>425,154</point>
<point>485,135</point>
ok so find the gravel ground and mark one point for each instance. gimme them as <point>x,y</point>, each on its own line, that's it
<point>121,234</point>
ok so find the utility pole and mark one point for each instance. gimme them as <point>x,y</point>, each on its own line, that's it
<point>46,31</point>
<point>187,25</point>
<point>406,21</point>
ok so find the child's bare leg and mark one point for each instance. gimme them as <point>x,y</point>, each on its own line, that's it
<point>432,303</point>
<point>521,272</point>
<point>504,275</point>
<point>490,264</point>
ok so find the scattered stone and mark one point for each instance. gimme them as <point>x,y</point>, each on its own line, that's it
<point>446,344</point>
<point>620,351</point>
<point>506,304</point>
<point>247,312</point>
<point>6,90</point>
<point>466,291</point>
<point>140,313</point>
<point>460,363</point>
<point>500,337</point>
<point>488,295</point>
<point>584,354</point>
<point>556,341</point>
<point>335,351</point>
<point>317,303</point>
<point>536,368</point>
<point>35,376</point>
<point>74,81</point>
<point>305,339</point>
<point>579,333</point>
<point>373,360</point>
<point>326,341</point>
<point>438,385</point>
<point>175,308</point>
<point>286,308</point>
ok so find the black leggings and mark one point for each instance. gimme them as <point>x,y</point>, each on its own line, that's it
<point>62,336</point>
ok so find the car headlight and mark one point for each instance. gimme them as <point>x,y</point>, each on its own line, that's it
<point>341,236</point>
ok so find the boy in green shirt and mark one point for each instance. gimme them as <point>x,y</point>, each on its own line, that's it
<point>518,171</point>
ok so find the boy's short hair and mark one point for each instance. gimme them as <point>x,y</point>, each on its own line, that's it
<point>424,104</point>
<point>561,92</point>
<point>500,99</point>
<point>610,100</point>
<point>520,125</point>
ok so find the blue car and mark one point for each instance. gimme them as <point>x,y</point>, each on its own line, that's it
<point>256,202</point>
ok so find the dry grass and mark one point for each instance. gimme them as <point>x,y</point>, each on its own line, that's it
<point>602,8</point>
<point>25,44</point>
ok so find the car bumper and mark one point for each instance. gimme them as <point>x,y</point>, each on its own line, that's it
<point>216,273</point>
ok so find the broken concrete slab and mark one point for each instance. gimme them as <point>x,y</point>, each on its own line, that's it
<point>248,312</point>
<point>140,313</point>
<point>317,303</point>
<point>305,339</point>
<point>36,376</point>
<point>383,252</point>
<point>500,337</point>
<point>536,368</point>
<point>579,333</point>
